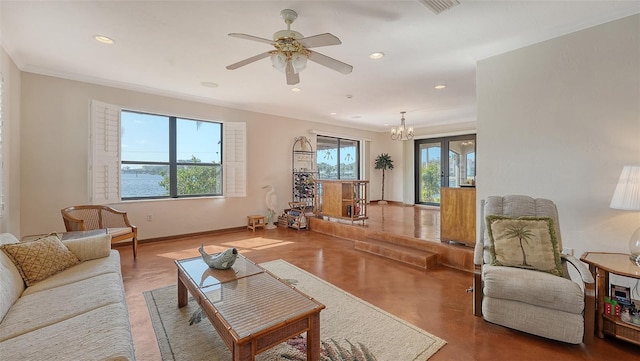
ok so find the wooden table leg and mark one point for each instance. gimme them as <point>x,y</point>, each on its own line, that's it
<point>602,281</point>
<point>313,337</point>
<point>183,296</point>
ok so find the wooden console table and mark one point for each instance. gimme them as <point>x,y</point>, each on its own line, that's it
<point>601,265</point>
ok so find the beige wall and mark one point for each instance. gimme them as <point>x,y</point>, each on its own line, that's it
<point>10,221</point>
<point>558,120</point>
<point>54,157</point>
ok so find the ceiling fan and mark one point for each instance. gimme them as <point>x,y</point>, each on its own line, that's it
<point>292,50</point>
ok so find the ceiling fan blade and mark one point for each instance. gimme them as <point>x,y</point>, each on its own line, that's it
<point>248,60</point>
<point>293,78</point>
<point>315,41</point>
<point>330,63</point>
<point>251,37</point>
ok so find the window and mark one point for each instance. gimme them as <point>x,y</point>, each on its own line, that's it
<point>165,156</point>
<point>338,158</point>
<point>135,155</point>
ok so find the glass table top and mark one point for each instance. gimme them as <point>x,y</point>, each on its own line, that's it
<point>204,276</point>
<point>618,263</point>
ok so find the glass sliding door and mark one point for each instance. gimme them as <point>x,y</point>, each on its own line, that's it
<point>443,162</point>
<point>429,172</point>
<point>462,163</point>
<point>338,158</point>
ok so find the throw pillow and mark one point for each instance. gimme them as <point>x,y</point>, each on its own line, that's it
<point>89,248</point>
<point>526,242</point>
<point>37,260</point>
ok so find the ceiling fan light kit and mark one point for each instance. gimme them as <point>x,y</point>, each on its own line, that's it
<point>291,50</point>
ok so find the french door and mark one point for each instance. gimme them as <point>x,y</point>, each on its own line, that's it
<point>443,162</point>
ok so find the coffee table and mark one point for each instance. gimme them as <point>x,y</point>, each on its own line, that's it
<point>251,309</point>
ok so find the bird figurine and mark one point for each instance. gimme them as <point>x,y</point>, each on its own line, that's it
<point>222,260</point>
<point>272,206</point>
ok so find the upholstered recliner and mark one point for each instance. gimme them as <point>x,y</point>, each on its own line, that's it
<point>531,301</point>
<point>90,217</point>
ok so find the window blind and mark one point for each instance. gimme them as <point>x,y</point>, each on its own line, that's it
<point>235,159</point>
<point>1,156</point>
<point>104,157</point>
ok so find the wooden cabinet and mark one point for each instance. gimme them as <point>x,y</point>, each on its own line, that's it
<point>458,215</point>
<point>341,199</point>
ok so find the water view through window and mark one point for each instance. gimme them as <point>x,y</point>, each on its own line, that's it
<point>165,156</point>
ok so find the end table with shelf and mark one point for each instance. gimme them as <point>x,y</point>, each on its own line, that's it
<point>602,265</point>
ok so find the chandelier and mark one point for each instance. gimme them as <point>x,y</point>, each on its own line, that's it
<point>401,132</point>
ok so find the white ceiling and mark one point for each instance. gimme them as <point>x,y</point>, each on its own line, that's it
<point>171,47</point>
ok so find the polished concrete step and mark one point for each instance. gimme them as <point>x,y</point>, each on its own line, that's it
<point>397,252</point>
<point>449,255</point>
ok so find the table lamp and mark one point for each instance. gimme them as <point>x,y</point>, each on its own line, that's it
<point>627,197</point>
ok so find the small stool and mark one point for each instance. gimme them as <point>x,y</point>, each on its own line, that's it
<point>254,222</point>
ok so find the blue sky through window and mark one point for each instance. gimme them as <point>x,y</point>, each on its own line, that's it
<point>145,137</point>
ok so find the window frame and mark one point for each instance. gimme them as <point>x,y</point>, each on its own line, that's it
<point>357,160</point>
<point>444,162</point>
<point>173,163</point>
<point>103,161</point>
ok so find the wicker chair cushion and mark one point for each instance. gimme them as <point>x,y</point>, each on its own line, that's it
<point>116,232</point>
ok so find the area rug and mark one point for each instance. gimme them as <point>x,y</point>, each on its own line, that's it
<point>350,328</point>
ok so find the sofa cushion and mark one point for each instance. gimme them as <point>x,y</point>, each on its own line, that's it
<point>84,270</point>
<point>40,309</point>
<point>525,242</point>
<point>100,334</point>
<point>11,282</point>
<point>89,248</point>
<point>40,259</point>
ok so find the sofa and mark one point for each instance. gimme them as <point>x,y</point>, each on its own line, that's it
<point>76,311</point>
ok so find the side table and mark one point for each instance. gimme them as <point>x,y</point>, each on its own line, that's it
<point>601,266</point>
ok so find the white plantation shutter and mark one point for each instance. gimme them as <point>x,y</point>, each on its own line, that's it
<point>235,159</point>
<point>104,153</point>
<point>1,158</point>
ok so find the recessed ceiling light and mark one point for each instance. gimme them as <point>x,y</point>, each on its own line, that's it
<point>440,86</point>
<point>104,39</point>
<point>333,113</point>
<point>209,84</point>
<point>376,55</point>
<point>295,89</point>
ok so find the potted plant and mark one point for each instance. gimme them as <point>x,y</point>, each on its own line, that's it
<point>384,162</point>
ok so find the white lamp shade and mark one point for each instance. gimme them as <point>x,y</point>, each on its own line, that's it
<point>299,62</point>
<point>279,61</point>
<point>627,193</point>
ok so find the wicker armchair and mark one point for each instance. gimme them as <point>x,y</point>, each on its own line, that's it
<point>90,217</point>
